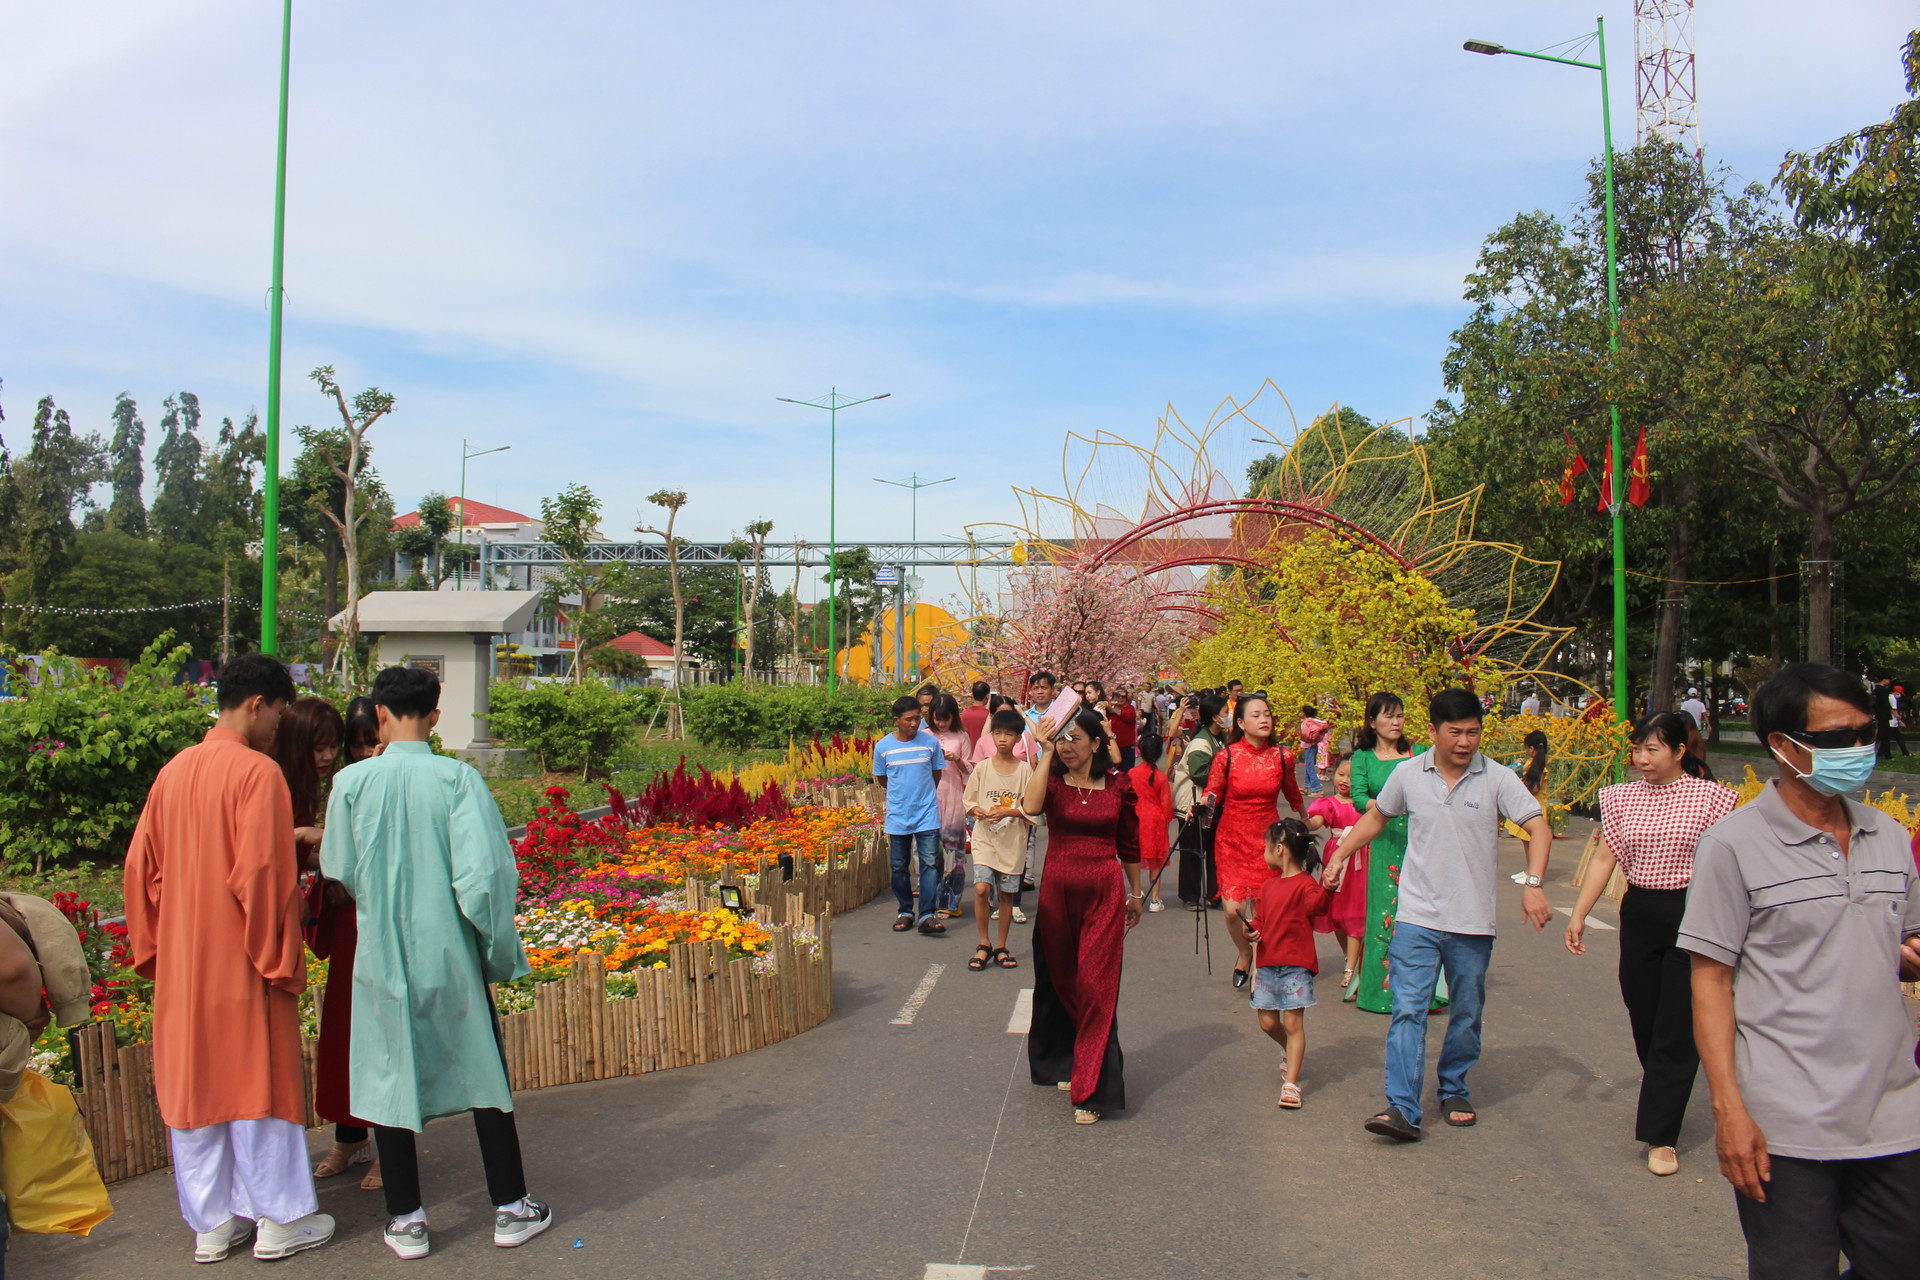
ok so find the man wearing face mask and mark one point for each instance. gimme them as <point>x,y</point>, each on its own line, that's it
<point>1803,917</point>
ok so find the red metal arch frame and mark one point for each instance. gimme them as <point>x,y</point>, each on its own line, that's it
<point>1319,517</point>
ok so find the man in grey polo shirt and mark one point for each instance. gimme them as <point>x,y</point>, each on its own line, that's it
<point>1802,918</point>
<point>1449,885</point>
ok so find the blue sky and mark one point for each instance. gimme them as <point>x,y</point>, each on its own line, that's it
<point>610,234</point>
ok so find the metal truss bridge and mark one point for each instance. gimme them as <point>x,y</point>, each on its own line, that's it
<point>526,563</point>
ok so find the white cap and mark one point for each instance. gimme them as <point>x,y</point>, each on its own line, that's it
<point>1693,693</point>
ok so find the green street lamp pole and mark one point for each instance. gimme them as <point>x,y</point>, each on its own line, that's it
<point>466,452</point>
<point>833,404</point>
<point>914,484</point>
<point>1621,708</point>
<point>270,504</point>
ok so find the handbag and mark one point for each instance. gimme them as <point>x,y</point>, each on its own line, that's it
<point>46,1162</point>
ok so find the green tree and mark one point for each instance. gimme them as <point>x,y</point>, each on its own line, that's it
<point>672,500</point>
<point>126,468</point>
<point>178,499</point>
<point>356,420</point>
<point>48,484</point>
<point>570,521</point>
<point>426,543</point>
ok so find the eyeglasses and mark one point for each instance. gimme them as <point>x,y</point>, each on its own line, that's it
<point>1828,739</point>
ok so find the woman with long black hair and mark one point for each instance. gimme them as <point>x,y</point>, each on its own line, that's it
<point>1248,777</point>
<point>1379,748</point>
<point>1089,898</point>
<point>1650,827</point>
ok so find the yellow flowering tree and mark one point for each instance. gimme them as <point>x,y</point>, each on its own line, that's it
<point>1326,621</point>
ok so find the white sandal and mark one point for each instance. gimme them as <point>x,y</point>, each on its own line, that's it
<point>1290,1096</point>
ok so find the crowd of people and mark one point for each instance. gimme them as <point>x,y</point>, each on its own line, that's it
<point>1765,944</point>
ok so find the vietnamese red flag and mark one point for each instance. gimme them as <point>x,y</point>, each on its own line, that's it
<point>1639,485</point>
<point>1606,481</point>
<point>1576,466</point>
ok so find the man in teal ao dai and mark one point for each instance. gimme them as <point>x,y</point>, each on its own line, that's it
<point>417,842</point>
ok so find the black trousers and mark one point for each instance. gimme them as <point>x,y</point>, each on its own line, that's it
<point>499,1155</point>
<point>1656,981</point>
<point>1817,1210</point>
<point>1887,735</point>
<point>1197,868</point>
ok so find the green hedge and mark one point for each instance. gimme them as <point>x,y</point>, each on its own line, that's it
<point>758,715</point>
<point>79,754</point>
<point>567,726</point>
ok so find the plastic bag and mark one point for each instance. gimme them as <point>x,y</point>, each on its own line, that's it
<point>952,888</point>
<point>46,1162</point>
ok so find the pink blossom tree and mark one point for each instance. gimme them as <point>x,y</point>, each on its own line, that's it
<point>1079,623</point>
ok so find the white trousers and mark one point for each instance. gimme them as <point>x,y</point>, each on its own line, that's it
<point>243,1168</point>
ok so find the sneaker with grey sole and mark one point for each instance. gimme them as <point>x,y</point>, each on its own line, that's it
<point>284,1239</point>
<point>409,1240</point>
<point>212,1246</point>
<point>511,1230</point>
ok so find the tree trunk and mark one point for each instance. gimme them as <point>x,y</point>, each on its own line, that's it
<point>1817,582</point>
<point>332,572</point>
<point>1666,650</point>
<point>1773,603</point>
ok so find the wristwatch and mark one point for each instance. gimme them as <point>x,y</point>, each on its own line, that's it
<point>1532,882</point>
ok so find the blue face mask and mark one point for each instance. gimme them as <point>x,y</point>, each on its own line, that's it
<point>1836,770</point>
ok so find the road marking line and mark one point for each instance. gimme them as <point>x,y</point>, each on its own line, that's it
<point>1022,1020</point>
<point>1012,1073</point>
<point>1592,923</point>
<point>911,1008</point>
<point>951,1271</point>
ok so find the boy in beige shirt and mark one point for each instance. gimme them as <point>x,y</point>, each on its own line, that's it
<point>1000,830</point>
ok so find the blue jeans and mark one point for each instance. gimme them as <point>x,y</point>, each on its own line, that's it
<point>1313,774</point>
<point>1414,960</point>
<point>921,846</point>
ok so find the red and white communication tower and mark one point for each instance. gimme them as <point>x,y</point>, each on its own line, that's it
<point>1663,73</point>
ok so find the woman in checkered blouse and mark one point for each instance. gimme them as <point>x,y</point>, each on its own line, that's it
<point>1650,826</point>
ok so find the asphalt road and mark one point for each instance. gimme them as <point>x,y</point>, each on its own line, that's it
<point>869,1149</point>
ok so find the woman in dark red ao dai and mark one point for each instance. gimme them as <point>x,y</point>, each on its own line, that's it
<point>1089,897</point>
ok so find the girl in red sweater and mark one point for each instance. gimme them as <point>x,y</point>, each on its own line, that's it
<point>1287,961</point>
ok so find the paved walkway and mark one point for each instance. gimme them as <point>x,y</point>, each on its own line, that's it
<point>866,1148</point>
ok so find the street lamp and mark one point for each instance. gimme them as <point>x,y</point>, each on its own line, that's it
<point>270,496</point>
<point>833,404</point>
<point>914,484</point>
<point>466,452</point>
<point>1618,478</point>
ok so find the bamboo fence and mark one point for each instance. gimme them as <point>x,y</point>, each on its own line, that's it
<point>701,1007</point>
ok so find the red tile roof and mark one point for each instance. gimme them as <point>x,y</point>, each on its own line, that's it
<point>639,642</point>
<point>478,513</point>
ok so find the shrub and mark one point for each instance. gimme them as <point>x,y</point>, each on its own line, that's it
<point>81,754</point>
<point>747,715</point>
<point>567,726</point>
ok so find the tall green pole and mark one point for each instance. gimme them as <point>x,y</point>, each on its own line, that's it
<point>1617,471</point>
<point>1622,711</point>
<point>270,505</point>
<point>833,404</point>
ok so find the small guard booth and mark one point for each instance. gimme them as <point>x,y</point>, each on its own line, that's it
<point>452,634</point>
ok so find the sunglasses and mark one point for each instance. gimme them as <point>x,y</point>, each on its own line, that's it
<point>1829,739</point>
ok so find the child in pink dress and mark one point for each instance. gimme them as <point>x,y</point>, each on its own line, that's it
<point>1346,919</point>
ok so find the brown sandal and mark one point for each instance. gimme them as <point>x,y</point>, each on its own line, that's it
<point>373,1181</point>
<point>339,1159</point>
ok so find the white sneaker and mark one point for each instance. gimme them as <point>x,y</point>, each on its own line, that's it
<point>409,1241</point>
<point>212,1246</point>
<point>284,1239</point>
<point>510,1230</point>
